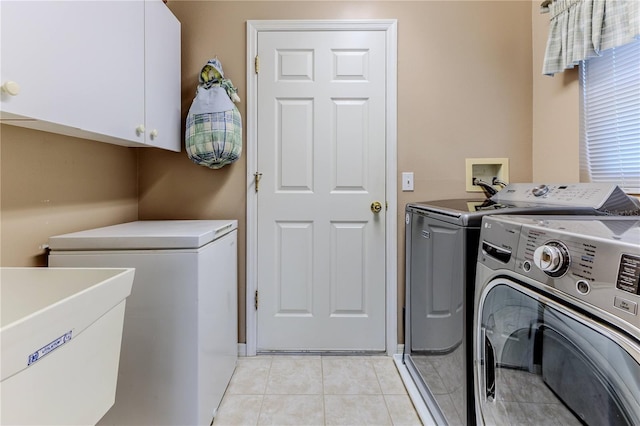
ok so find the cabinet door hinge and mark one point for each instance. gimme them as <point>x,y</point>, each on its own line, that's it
<point>256,300</point>
<point>257,64</point>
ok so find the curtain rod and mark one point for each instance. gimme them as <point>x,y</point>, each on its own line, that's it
<point>544,6</point>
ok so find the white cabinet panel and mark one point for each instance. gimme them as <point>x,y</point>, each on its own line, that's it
<point>162,77</point>
<point>73,68</point>
<point>80,66</point>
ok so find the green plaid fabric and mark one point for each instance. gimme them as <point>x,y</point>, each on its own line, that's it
<point>580,29</point>
<point>214,139</point>
<point>620,23</point>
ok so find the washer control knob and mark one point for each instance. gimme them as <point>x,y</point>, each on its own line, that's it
<point>552,258</point>
<point>540,190</point>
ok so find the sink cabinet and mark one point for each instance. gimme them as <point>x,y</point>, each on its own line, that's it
<point>101,70</point>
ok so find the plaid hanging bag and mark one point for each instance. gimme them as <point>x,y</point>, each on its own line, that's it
<point>213,136</point>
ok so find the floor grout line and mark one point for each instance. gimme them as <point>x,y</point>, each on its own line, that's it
<point>266,411</point>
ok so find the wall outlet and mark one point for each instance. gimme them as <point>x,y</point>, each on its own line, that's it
<point>407,181</point>
<point>486,169</point>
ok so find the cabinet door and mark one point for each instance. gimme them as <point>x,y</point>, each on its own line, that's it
<point>78,63</point>
<point>162,77</point>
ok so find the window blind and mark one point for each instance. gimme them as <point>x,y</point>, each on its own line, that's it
<point>610,117</point>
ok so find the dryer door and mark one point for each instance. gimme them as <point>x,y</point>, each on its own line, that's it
<point>538,361</point>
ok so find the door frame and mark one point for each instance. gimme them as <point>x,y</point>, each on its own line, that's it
<point>389,26</point>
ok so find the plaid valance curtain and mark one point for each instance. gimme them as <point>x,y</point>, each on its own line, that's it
<point>581,29</point>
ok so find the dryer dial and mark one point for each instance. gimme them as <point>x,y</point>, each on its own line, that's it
<point>552,258</point>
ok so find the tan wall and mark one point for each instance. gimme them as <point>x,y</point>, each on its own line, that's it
<point>556,126</point>
<point>53,184</point>
<point>464,90</point>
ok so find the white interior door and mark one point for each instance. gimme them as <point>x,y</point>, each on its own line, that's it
<point>321,151</point>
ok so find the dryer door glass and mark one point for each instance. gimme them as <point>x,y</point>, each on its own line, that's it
<point>541,362</point>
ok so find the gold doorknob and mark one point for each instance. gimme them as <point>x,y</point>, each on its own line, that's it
<point>376,207</point>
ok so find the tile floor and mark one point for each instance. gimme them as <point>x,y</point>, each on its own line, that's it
<point>316,390</point>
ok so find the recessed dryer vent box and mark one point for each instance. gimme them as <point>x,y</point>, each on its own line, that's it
<point>486,169</point>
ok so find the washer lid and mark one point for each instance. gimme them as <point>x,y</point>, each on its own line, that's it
<point>140,235</point>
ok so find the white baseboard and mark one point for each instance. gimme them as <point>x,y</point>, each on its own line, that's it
<point>242,349</point>
<point>418,403</point>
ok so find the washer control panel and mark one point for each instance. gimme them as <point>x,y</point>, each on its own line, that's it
<point>594,260</point>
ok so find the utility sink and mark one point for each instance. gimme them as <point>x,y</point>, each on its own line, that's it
<point>60,336</point>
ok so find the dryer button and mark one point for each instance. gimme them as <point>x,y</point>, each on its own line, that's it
<point>625,305</point>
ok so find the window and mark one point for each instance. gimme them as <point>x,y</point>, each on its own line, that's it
<point>610,117</point>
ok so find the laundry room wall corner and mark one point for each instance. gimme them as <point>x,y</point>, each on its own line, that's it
<point>556,125</point>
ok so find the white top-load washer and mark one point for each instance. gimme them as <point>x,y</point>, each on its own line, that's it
<point>179,346</point>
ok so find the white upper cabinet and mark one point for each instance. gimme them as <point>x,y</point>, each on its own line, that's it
<point>79,67</point>
<point>162,77</point>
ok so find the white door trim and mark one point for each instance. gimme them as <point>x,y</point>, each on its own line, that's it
<point>251,149</point>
